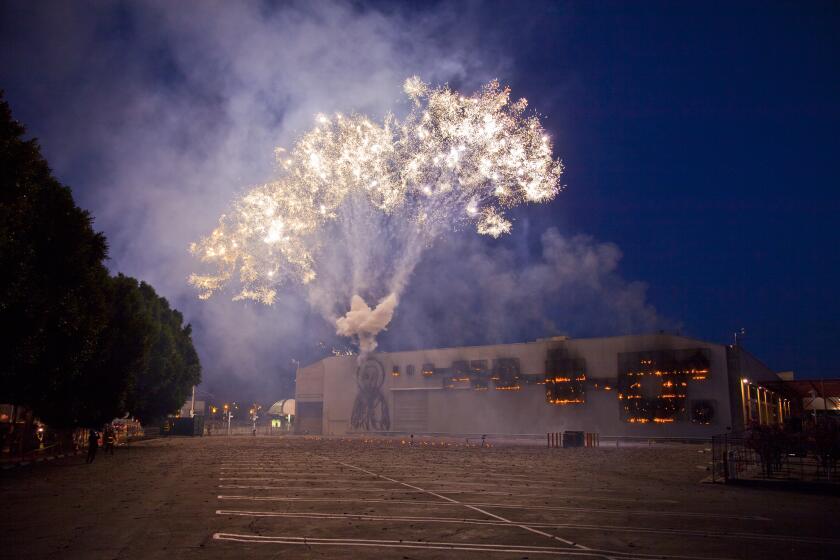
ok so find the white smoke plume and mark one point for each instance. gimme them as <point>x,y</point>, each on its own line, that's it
<point>157,113</point>
<point>365,323</point>
<point>466,292</point>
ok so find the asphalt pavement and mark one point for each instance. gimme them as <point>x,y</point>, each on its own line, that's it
<point>310,497</point>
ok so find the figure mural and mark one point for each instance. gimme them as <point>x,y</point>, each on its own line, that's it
<point>370,410</point>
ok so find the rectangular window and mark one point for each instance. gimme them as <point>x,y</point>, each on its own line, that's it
<point>565,378</point>
<point>653,385</point>
<point>506,374</point>
<point>461,371</point>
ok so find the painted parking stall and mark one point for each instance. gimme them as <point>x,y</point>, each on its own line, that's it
<point>371,497</point>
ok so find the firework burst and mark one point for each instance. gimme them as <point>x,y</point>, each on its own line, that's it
<point>375,194</point>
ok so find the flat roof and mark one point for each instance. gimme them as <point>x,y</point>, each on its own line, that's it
<point>546,340</point>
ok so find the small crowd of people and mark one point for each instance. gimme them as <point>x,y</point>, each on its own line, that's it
<point>108,438</point>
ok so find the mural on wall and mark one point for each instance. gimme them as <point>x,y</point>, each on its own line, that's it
<point>370,409</point>
<point>652,386</point>
<point>703,411</point>
<point>505,374</point>
<point>565,376</point>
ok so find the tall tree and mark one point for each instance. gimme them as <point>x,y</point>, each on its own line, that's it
<point>121,355</point>
<point>78,346</point>
<point>173,366</point>
<point>52,279</point>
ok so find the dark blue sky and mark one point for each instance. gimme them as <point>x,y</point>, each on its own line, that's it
<point>704,139</point>
<point>701,138</point>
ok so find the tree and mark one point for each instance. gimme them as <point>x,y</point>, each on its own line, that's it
<point>79,347</point>
<point>52,279</point>
<point>173,366</point>
<point>122,353</point>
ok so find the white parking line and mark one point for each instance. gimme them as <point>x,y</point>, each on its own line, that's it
<point>283,479</point>
<point>451,546</point>
<point>446,485</point>
<point>507,523</point>
<point>474,508</point>
<point>357,489</point>
<point>498,506</point>
<point>428,481</point>
<point>322,472</point>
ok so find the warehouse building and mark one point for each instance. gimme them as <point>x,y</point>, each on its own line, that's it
<point>658,385</point>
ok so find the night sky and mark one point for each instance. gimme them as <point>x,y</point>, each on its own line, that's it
<point>701,141</point>
<point>704,139</point>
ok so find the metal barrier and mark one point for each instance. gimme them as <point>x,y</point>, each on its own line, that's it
<point>750,456</point>
<point>596,438</point>
<point>572,439</point>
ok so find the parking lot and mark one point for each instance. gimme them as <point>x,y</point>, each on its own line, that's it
<point>261,497</point>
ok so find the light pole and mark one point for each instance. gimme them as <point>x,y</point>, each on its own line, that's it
<point>226,408</point>
<point>254,412</point>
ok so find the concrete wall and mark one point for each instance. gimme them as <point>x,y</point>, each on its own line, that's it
<point>464,410</point>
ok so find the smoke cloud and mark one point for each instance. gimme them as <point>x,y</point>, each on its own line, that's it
<point>467,291</point>
<point>365,323</point>
<point>159,113</point>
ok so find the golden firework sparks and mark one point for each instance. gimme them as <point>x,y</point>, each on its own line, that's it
<point>453,159</point>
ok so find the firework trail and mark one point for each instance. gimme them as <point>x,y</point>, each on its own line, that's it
<point>357,202</point>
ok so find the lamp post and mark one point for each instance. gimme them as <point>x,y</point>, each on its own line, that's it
<point>192,404</point>
<point>227,413</point>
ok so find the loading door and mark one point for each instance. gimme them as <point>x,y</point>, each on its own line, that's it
<point>309,417</point>
<point>411,411</point>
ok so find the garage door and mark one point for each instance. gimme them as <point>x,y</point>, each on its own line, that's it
<point>309,417</point>
<point>411,411</point>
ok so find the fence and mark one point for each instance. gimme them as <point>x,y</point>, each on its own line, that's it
<point>755,456</point>
<point>22,446</point>
<point>572,439</point>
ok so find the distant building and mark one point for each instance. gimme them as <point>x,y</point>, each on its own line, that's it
<point>814,396</point>
<point>282,414</point>
<point>641,385</point>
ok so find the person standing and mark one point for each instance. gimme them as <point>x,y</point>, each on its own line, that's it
<point>93,445</point>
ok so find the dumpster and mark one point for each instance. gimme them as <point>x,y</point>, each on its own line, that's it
<point>184,426</point>
<point>573,439</point>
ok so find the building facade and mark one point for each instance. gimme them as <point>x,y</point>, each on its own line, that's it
<point>656,385</point>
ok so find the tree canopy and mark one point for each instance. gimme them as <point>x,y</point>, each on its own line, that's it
<point>172,367</point>
<point>79,346</point>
